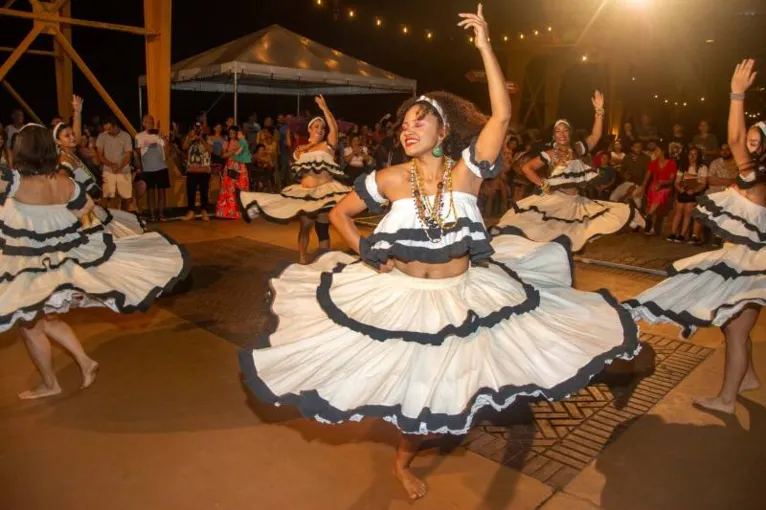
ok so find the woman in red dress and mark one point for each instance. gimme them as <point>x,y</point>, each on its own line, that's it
<point>234,177</point>
<point>658,184</point>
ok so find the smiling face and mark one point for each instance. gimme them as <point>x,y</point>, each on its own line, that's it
<point>421,132</point>
<point>694,156</point>
<point>754,140</point>
<point>66,138</point>
<point>148,122</point>
<point>562,134</point>
<point>316,131</point>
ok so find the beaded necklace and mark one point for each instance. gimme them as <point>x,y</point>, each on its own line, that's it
<point>431,215</point>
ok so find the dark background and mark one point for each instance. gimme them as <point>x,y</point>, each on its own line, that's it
<point>118,58</point>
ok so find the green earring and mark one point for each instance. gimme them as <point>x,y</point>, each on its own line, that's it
<point>437,151</point>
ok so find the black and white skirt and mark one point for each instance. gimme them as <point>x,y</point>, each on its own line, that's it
<point>711,288</point>
<point>427,355</point>
<point>546,217</point>
<point>291,202</point>
<point>119,223</point>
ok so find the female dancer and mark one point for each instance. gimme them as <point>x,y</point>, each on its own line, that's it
<point>561,209</point>
<point>234,178</point>
<point>50,264</point>
<point>725,287</point>
<point>118,223</point>
<point>316,192</point>
<point>428,329</point>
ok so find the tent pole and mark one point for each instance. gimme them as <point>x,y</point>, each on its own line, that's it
<point>298,109</point>
<point>140,104</point>
<point>236,96</point>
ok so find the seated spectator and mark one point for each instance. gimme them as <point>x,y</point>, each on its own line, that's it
<point>629,192</point>
<point>690,182</point>
<point>607,178</point>
<point>357,157</point>
<point>706,142</point>
<point>617,155</point>
<point>658,186</point>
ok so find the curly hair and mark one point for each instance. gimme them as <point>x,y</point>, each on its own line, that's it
<point>463,118</point>
<point>34,152</point>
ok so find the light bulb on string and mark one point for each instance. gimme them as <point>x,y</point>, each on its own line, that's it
<point>536,33</point>
<point>505,38</point>
<point>378,22</point>
<point>550,29</point>
<point>351,13</point>
<point>429,34</point>
<point>319,3</point>
<point>405,30</point>
<point>656,96</point>
<point>521,36</point>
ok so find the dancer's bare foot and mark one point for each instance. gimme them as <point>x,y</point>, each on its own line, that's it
<point>415,487</point>
<point>749,383</point>
<point>89,374</point>
<point>41,391</point>
<point>715,404</point>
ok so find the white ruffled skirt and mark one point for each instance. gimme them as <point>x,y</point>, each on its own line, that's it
<point>711,288</point>
<point>545,217</point>
<point>428,355</point>
<point>291,202</point>
<point>119,223</point>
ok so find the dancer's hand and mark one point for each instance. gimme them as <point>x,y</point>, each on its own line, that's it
<point>320,101</point>
<point>387,266</point>
<point>479,26</point>
<point>77,104</point>
<point>743,76</point>
<point>598,100</point>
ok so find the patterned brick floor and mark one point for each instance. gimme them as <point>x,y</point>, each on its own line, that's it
<point>554,441</point>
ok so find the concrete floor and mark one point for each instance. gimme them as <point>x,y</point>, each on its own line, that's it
<point>168,426</point>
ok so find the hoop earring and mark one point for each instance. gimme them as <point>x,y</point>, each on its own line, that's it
<point>437,151</point>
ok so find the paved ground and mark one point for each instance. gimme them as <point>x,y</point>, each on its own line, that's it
<point>168,424</point>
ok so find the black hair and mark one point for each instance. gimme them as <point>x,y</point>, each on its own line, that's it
<point>34,152</point>
<point>464,120</point>
<point>61,127</point>
<point>110,120</point>
<point>259,146</point>
<point>685,163</point>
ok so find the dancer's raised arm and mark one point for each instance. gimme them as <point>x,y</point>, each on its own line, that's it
<point>332,124</point>
<point>598,121</point>
<point>490,141</point>
<point>741,80</point>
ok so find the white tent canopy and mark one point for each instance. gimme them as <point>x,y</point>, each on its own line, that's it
<point>276,61</point>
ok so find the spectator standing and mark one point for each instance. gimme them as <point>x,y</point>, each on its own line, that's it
<point>6,158</point>
<point>154,169</point>
<point>17,116</point>
<point>235,175</point>
<point>628,135</point>
<point>357,157</point>
<point>706,142</point>
<point>646,131</point>
<point>658,187</point>
<point>198,169</point>
<point>285,149</point>
<point>690,182</point>
<point>252,128</point>
<point>261,178</point>
<point>115,151</point>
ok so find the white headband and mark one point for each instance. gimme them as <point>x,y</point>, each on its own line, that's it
<point>316,119</point>
<point>562,121</point>
<point>56,130</point>
<point>762,126</point>
<point>435,105</point>
<point>25,126</point>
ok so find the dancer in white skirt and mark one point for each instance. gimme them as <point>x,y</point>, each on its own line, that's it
<point>50,264</point>
<point>561,209</point>
<point>118,223</point>
<point>430,328</point>
<point>726,287</point>
<point>316,190</point>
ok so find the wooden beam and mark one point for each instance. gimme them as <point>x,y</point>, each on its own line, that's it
<point>157,18</point>
<point>19,51</point>
<point>20,100</point>
<point>67,47</point>
<point>53,18</point>
<point>63,64</point>
<point>60,5</point>
<point>45,53</point>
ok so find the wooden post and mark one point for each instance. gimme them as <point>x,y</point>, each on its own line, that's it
<point>157,18</point>
<point>517,70</point>
<point>70,51</point>
<point>64,85</point>
<point>20,49</point>
<point>22,103</point>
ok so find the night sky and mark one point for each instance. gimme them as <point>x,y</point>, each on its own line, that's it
<point>118,58</point>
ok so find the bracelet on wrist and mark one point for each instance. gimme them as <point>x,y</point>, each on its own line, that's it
<point>736,96</point>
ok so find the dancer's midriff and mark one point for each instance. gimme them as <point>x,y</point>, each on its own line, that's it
<point>313,180</point>
<point>454,267</point>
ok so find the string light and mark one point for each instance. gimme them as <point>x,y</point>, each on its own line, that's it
<point>633,78</point>
<point>550,29</point>
<point>684,103</point>
<point>319,3</point>
<point>405,30</point>
<point>470,39</point>
<point>429,35</point>
<point>521,36</point>
<point>584,58</point>
<point>666,101</point>
<point>505,38</point>
<point>537,33</point>
<point>656,96</point>
<point>351,13</point>
<point>378,22</point>
<point>702,99</point>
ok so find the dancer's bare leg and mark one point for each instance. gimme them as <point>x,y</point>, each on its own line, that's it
<point>303,239</point>
<point>750,381</point>
<point>60,332</point>
<point>324,218</point>
<point>40,351</point>
<point>737,332</point>
<point>406,451</point>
